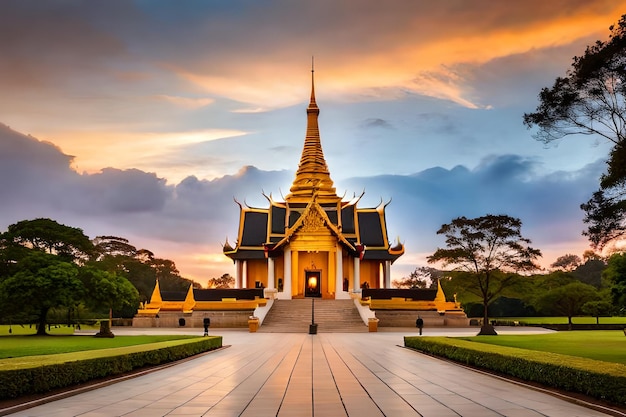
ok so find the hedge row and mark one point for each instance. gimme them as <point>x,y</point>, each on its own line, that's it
<point>18,382</point>
<point>601,380</point>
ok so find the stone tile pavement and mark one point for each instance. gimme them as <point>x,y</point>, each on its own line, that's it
<point>333,374</point>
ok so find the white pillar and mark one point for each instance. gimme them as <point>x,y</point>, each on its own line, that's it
<point>270,273</point>
<point>387,274</point>
<point>339,272</point>
<point>237,273</point>
<point>286,294</point>
<point>244,274</point>
<point>356,281</point>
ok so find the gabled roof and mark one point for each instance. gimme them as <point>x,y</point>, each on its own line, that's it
<point>308,217</point>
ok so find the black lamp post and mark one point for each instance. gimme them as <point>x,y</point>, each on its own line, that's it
<point>313,291</point>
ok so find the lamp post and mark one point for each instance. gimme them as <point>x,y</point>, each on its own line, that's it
<point>312,287</point>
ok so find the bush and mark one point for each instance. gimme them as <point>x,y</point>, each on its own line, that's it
<point>602,380</point>
<point>18,382</point>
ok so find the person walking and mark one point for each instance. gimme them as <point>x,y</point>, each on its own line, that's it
<point>419,323</point>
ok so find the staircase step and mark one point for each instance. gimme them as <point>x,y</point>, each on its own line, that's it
<point>294,316</point>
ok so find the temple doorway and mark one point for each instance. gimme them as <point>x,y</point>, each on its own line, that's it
<point>313,283</point>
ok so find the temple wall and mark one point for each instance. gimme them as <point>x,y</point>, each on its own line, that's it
<point>370,271</point>
<point>219,319</point>
<point>257,271</point>
<point>406,318</point>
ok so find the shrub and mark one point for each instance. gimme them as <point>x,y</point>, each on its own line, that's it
<point>597,379</point>
<point>18,382</point>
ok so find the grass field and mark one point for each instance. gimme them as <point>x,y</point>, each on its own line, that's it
<point>563,320</point>
<point>21,346</point>
<point>608,346</point>
<point>26,329</point>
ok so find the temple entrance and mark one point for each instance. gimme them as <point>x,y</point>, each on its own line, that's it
<point>313,283</point>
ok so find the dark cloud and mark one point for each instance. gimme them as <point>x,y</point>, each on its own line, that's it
<point>36,181</point>
<point>377,123</point>
<point>41,44</point>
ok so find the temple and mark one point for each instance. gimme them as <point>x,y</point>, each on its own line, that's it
<point>313,236</point>
<point>314,244</point>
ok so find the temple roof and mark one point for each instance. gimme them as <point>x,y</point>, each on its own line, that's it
<point>312,204</point>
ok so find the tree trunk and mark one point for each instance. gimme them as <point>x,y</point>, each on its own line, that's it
<point>486,329</point>
<point>41,328</point>
<point>569,322</point>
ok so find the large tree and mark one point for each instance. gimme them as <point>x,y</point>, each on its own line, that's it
<point>567,300</point>
<point>225,281</point>
<point>615,275</point>
<point>421,277</point>
<point>567,262</point>
<point>69,243</point>
<point>107,290</point>
<point>491,251</point>
<point>43,281</point>
<point>591,100</point>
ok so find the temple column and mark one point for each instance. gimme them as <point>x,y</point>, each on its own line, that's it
<point>356,281</point>
<point>286,293</point>
<point>270,273</point>
<point>237,273</point>
<point>295,273</point>
<point>339,292</point>
<point>244,274</point>
<point>387,274</point>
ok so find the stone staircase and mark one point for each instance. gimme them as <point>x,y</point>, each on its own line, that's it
<point>294,316</point>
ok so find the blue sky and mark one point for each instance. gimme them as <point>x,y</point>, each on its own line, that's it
<point>144,119</point>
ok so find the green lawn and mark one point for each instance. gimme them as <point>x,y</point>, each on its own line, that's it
<point>21,346</point>
<point>563,320</point>
<point>603,345</point>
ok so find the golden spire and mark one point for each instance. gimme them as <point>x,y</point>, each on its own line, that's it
<point>312,176</point>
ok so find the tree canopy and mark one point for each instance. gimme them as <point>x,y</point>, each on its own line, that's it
<point>45,265</point>
<point>491,251</point>
<point>591,100</point>
<point>421,277</point>
<point>225,281</point>
<point>43,281</point>
<point>567,262</point>
<point>615,274</point>
<point>69,243</point>
<point>567,300</point>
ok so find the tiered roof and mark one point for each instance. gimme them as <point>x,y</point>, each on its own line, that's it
<point>312,201</point>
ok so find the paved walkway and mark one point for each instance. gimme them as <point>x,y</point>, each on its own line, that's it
<point>334,374</point>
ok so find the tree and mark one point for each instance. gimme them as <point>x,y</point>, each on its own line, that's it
<point>69,243</point>
<point>225,281</point>
<point>597,308</point>
<point>107,290</point>
<point>113,246</point>
<point>567,262</point>
<point>590,272</point>
<point>491,250</point>
<point>44,281</point>
<point>591,100</point>
<point>615,275</point>
<point>421,277</point>
<point>567,300</point>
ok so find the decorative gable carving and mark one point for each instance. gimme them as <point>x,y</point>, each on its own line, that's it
<point>313,222</point>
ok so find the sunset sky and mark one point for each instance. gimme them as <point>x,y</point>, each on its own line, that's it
<point>144,119</point>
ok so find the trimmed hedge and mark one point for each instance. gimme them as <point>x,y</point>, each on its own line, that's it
<point>601,380</point>
<point>18,382</point>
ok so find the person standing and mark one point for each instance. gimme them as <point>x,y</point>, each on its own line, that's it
<point>419,323</point>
